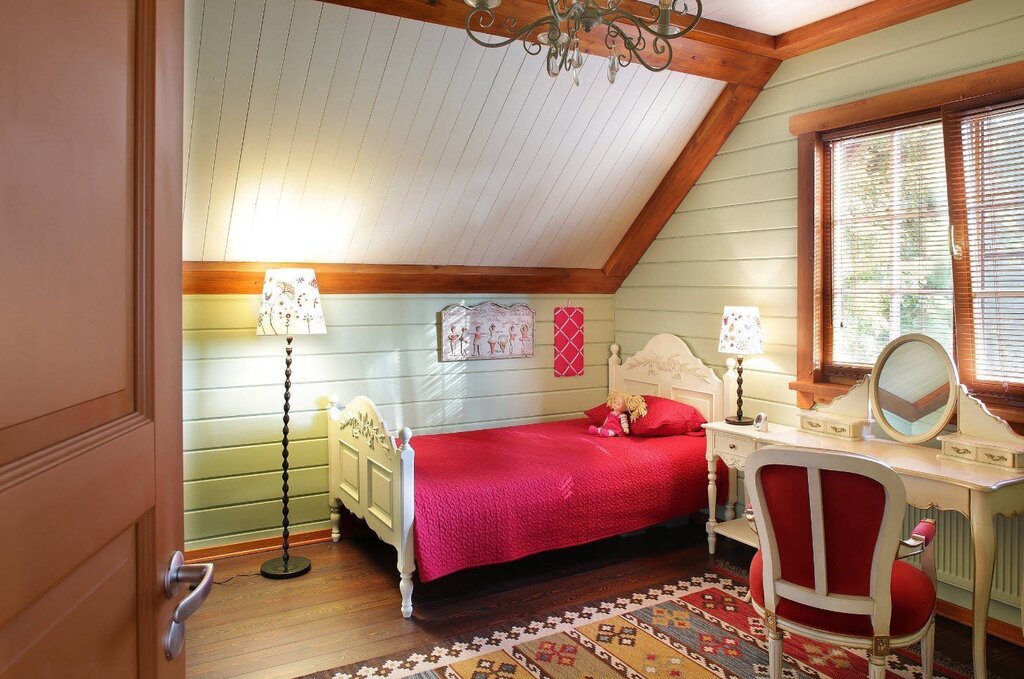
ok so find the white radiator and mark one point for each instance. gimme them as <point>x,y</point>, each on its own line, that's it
<point>954,557</point>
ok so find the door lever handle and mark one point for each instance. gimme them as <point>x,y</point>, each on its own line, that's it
<point>179,573</point>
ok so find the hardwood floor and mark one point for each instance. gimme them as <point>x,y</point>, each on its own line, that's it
<point>346,609</point>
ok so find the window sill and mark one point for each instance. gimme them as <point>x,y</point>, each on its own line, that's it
<point>809,393</point>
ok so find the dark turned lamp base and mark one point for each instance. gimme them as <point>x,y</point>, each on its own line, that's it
<point>740,420</point>
<point>285,566</point>
<point>276,570</point>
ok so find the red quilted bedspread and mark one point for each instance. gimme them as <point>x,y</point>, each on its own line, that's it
<point>495,495</point>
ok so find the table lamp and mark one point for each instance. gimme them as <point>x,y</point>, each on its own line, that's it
<point>290,306</point>
<point>741,335</point>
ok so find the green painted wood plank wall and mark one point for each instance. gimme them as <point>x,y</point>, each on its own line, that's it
<point>733,239</point>
<point>382,346</point>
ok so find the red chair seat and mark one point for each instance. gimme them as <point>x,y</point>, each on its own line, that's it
<point>913,600</point>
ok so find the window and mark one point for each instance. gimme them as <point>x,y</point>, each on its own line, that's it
<point>886,237</point>
<point>911,219</point>
<point>986,179</point>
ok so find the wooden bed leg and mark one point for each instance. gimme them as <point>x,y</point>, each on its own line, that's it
<point>405,587</point>
<point>335,520</point>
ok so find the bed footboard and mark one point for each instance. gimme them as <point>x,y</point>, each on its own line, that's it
<point>374,481</point>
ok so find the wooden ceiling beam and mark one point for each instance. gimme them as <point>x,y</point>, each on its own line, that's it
<point>867,18</point>
<point>711,52</point>
<point>199,278</point>
<point>725,114</point>
<point>711,31</point>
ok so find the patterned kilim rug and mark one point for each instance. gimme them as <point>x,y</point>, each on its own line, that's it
<point>697,628</point>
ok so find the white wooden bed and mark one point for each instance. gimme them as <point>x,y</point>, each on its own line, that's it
<point>374,479</point>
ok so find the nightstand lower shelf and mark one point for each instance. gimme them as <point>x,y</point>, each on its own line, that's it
<point>738,530</point>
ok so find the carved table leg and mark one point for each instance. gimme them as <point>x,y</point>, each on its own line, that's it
<point>712,502</point>
<point>731,506</point>
<point>983,536</point>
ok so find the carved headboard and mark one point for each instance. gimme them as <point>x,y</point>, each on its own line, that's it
<point>666,367</point>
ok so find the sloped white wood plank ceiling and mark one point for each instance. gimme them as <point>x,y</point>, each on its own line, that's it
<point>319,133</point>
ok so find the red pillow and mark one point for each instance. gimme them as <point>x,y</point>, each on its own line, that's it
<point>598,413</point>
<point>666,417</point>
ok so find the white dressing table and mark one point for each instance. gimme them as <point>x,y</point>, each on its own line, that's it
<point>979,492</point>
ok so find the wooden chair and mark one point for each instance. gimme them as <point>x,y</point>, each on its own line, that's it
<point>829,567</point>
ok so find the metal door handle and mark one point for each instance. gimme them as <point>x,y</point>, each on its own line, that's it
<point>179,573</point>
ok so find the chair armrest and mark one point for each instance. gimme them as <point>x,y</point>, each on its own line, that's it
<point>920,539</point>
<point>749,513</point>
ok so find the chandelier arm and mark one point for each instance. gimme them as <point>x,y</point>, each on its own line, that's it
<point>635,47</point>
<point>613,15</point>
<point>487,19</point>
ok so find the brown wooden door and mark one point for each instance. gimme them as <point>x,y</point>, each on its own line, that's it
<point>90,334</point>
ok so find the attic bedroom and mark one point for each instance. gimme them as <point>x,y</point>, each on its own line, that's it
<point>512,338</point>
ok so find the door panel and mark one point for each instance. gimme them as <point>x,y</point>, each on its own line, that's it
<point>69,143</point>
<point>90,325</point>
<point>101,593</point>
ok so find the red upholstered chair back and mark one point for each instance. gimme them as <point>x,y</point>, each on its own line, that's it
<point>829,526</point>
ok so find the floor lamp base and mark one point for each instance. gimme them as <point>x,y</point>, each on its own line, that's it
<point>275,568</point>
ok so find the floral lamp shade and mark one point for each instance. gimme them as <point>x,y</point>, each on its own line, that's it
<point>290,304</point>
<point>741,331</point>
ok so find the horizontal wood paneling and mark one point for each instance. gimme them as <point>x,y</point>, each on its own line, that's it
<point>733,239</point>
<point>382,346</point>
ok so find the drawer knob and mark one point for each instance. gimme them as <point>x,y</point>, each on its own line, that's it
<point>961,451</point>
<point>732,446</point>
<point>996,458</point>
<point>813,425</point>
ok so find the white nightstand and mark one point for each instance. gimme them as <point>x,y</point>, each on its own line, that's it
<point>733,444</point>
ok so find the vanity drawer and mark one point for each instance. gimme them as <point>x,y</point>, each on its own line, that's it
<point>1000,457</point>
<point>812,424</point>
<point>960,451</point>
<point>727,444</point>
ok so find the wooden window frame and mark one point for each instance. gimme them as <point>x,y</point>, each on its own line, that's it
<point>992,393</point>
<point>813,384</point>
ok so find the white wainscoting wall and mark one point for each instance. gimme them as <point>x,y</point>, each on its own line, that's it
<point>382,346</point>
<point>733,239</point>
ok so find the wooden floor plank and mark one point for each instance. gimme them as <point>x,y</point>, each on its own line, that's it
<point>346,609</point>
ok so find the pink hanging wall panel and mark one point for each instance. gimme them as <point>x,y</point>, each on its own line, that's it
<point>568,341</point>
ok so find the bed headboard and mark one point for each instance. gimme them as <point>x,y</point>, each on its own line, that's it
<point>666,367</point>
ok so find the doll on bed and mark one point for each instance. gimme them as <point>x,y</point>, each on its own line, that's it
<point>625,408</point>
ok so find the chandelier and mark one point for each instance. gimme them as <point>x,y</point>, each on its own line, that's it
<point>628,36</point>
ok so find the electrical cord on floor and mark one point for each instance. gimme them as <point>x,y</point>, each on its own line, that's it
<point>227,580</point>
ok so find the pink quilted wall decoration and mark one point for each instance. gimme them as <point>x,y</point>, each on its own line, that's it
<point>568,341</point>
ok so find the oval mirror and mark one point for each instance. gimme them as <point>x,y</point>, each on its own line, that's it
<point>913,389</point>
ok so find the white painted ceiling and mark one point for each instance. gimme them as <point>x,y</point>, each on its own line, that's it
<point>318,133</point>
<point>772,16</point>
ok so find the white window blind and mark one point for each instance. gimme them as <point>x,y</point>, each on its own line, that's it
<point>890,271</point>
<point>987,200</point>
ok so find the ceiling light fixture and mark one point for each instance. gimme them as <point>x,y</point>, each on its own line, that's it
<point>628,38</point>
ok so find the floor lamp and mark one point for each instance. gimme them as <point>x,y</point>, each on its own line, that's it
<point>740,335</point>
<point>290,306</point>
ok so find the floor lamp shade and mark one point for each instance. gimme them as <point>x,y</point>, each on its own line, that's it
<point>290,305</point>
<point>740,335</point>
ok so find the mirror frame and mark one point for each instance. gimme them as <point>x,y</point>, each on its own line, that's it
<point>950,406</point>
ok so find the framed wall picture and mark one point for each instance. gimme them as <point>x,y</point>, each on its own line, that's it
<point>486,332</point>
